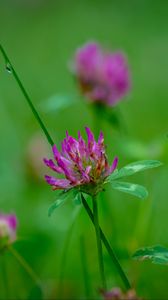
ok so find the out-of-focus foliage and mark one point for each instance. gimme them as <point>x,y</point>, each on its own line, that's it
<point>157,254</point>
<point>40,38</point>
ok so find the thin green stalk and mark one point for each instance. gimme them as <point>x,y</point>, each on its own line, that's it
<point>108,247</point>
<point>25,265</point>
<point>12,70</point>
<point>98,240</point>
<point>84,267</point>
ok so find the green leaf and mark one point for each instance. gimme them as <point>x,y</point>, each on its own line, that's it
<point>134,149</point>
<point>77,199</point>
<point>135,168</point>
<point>157,254</point>
<point>61,199</point>
<point>130,188</point>
<point>138,150</point>
<point>57,103</point>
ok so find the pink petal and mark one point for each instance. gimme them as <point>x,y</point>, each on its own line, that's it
<point>91,139</point>
<point>85,173</point>
<point>101,138</point>
<point>88,169</point>
<point>49,163</point>
<point>55,152</point>
<point>12,221</point>
<point>114,165</point>
<point>67,167</point>
<point>59,183</point>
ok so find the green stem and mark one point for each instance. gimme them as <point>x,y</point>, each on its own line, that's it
<point>99,243</point>
<point>12,70</point>
<point>25,265</point>
<point>108,247</point>
<point>84,267</point>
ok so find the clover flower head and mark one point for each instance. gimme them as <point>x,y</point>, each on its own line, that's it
<point>83,165</point>
<point>103,77</point>
<point>87,59</point>
<point>117,294</point>
<point>8,225</point>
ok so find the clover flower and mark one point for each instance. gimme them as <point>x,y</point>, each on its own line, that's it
<point>84,165</point>
<point>8,224</point>
<point>103,77</point>
<point>117,294</point>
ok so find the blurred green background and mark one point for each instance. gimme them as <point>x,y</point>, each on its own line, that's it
<point>40,38</point>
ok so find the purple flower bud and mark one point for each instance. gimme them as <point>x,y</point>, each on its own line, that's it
<point>103,77</point>
<point>83,165</point>
<point>8,224</point>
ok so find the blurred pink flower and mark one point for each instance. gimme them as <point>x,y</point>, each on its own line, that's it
<point>8,224</point>
<point>117,294</point>
<point>36,149</point>
<point>103,77</point>
<point>84,165</point>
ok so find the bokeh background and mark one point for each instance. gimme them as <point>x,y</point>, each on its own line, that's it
<point>40,38</point>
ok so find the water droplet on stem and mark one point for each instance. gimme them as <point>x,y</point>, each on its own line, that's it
<point>8,68</point>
